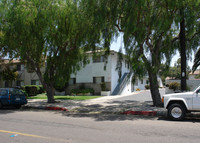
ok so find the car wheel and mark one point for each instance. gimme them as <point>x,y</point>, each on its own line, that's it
<point>18,106</point>
<point>1,106</point>
<point>176,112</point>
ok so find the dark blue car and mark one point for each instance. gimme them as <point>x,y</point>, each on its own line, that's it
<point>12,96</point>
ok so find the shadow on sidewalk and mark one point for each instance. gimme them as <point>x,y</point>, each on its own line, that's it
<point>111,111</point>
<point>110,117</point>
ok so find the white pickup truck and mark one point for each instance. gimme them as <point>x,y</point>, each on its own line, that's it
<point>178,104</point>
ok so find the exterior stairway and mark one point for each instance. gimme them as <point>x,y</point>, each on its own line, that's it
<point>122,83</point>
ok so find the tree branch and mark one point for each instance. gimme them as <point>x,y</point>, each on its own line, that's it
<point>195,34</point>
<point>118,27</point>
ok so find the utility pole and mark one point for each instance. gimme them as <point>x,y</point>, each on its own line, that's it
<point>183,52</point>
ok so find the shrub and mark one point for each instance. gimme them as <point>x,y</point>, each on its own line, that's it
<point>83,91</point>
<point>33,90</point>
<point>137,89</point>
<point>147,86</point>
<point>103,86</point>
<point>41,89</point>
<point>174,86</point>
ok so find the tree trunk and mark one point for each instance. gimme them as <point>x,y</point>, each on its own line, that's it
<point>48,87</point>
<point>154,88</point>
<point>50,94</point>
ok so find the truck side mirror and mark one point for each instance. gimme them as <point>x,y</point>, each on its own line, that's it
<point>198,91</point>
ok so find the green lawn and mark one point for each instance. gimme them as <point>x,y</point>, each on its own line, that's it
<point>43,96</point>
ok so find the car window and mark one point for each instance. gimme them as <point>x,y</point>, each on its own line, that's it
<point>16,92</point>
<point>3,92</point>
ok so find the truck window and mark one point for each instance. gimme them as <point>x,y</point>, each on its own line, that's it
<point>16,92</point>
<point>3,92</point>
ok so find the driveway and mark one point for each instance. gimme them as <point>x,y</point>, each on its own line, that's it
<point>142,96</point>
<point>137,101</point>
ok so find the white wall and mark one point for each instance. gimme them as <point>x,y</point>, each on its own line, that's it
<point>191,83</point>
<point>86,74</point>
<point>139,85</point>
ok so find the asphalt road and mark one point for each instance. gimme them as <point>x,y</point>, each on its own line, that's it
<point>56,127</point>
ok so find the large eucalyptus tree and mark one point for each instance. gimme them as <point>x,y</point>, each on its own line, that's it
<point>46,33</point>
<point>149,31</point>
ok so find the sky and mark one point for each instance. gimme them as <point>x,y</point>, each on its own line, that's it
<point>117,43</point>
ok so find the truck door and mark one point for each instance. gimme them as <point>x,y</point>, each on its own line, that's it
<point>196,100</point>
<point>4,96</point>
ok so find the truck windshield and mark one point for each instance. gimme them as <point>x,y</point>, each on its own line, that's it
<point>195,88</point>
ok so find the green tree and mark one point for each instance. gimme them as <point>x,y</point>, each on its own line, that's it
<point>149,30</point>
<point>173,72</point>
<point>47,33</point>
<point>9,75</point>
<point>146,30</point>
<point>188,24</point>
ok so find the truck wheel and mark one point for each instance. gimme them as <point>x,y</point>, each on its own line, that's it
<point>176,112</point>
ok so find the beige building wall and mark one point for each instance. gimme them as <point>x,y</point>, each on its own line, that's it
<point>25,77</point>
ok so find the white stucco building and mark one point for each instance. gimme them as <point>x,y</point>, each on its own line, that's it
<point>93,74</point>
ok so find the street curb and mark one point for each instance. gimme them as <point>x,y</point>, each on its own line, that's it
<point>47,108</point>
<point>56,108</point>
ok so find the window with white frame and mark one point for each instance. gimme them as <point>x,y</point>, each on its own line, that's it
<point>72,81</point>
<point>98,80</point>
<point>98,59</point>
<point>35,82</point>
<point>20,83</point>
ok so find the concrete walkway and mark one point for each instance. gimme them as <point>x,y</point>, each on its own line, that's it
<point>138,101</point>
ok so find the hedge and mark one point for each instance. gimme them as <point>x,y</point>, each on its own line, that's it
<point>33,90</point>
<point>147,86</point>
<point>174,86</point>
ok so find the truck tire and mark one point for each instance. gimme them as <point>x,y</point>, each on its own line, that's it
<point>176,112</point>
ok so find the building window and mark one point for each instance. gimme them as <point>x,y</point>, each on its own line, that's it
<point>147,81</point>
<point>72,81</point>
<point>35,82</point>
<point>6,83</point>
<point>20,67</point>
<point>20,83</point>
<point>98,80</point>
<point>141,81</point>
<point>98,59</point>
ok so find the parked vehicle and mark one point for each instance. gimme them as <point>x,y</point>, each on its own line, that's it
<point>12,96</point>
<point>178,104</point>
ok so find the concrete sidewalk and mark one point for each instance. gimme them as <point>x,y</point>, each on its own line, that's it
<point>106,105</point>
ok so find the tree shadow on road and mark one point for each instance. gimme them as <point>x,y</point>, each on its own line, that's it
<point>109,117</point>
